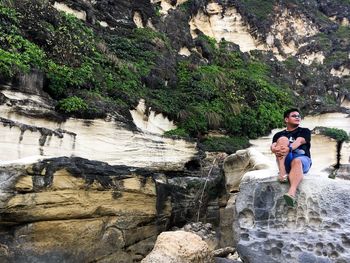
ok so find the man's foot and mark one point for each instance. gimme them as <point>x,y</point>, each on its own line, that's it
<point>283,179</point>
<point>290,200</point>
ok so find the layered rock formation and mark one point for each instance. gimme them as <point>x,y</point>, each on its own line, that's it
<point>72,209</point>
<point>76,210</point>
<point>29,126</point>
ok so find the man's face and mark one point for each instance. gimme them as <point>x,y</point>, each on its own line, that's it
<point>293,119</point>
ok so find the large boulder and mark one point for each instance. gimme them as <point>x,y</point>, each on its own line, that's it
<point>179,247</point>
<point>317,230</point>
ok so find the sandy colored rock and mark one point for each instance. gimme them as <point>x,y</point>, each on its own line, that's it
<point>77,210</point>
<point>227,24</point>
<point>179,247</point>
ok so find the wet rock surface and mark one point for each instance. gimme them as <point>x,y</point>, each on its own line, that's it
<point>317,230</point>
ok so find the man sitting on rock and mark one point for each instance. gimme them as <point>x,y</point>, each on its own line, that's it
<point>292,149</point>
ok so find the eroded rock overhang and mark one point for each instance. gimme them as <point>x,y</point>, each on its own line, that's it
<point>29,127</point>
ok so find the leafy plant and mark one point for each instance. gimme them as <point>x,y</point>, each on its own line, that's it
<point>180,132</point>
<point>260,8</point>
<point>72,104</point>
<point>225,144</point>
<point>339,135</point>
<point>185,6</point>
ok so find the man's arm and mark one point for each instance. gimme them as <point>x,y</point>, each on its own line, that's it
<point>299,141</point>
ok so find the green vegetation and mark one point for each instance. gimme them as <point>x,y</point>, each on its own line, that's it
<point>345,2</point>
<point>225,144</point>
<point>82,67</point>
<point>72,104</point>
<point>338,47</point>
<point>73,57</point>
<point>17,53</point>
<point>340,136</point>
<point>185,6</point>
<point>260,8</point>
<point>180,132</point>
<point>324,41</point>
<point>337,134</point>
<point>158,8</point>
<point>291,63</point>
<point>229,93</point>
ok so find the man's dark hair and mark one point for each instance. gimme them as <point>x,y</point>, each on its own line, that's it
<point>287,112</point>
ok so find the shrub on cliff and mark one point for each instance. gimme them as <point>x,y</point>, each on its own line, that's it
<point>227,90</point>
<point>72,105</point>
<point>225,144</point>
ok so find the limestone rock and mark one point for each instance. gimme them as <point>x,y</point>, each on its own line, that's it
<point>150,121</point>
<point>227,215</point>
<point>74,210</point>
<point>315,231</point>
<point>179,247</point>
<point>237,164</point>
<point>77,210</point>
<point>224,22</point>
<point>34,128</point>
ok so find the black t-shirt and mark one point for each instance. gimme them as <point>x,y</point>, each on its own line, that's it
<point>293,135</point>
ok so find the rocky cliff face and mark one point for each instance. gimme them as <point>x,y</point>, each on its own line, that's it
<point>87,175</point>
<point>29,120</point>
<point>155,50</point>
<point>76,210</point>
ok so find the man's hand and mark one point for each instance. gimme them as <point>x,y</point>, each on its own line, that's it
<point>280,151</point>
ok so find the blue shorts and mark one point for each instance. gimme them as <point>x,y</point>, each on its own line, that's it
<point>305,160</point>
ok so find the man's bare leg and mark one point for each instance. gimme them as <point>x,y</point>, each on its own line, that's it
<point>282,142</point>
<point>295,176</point>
